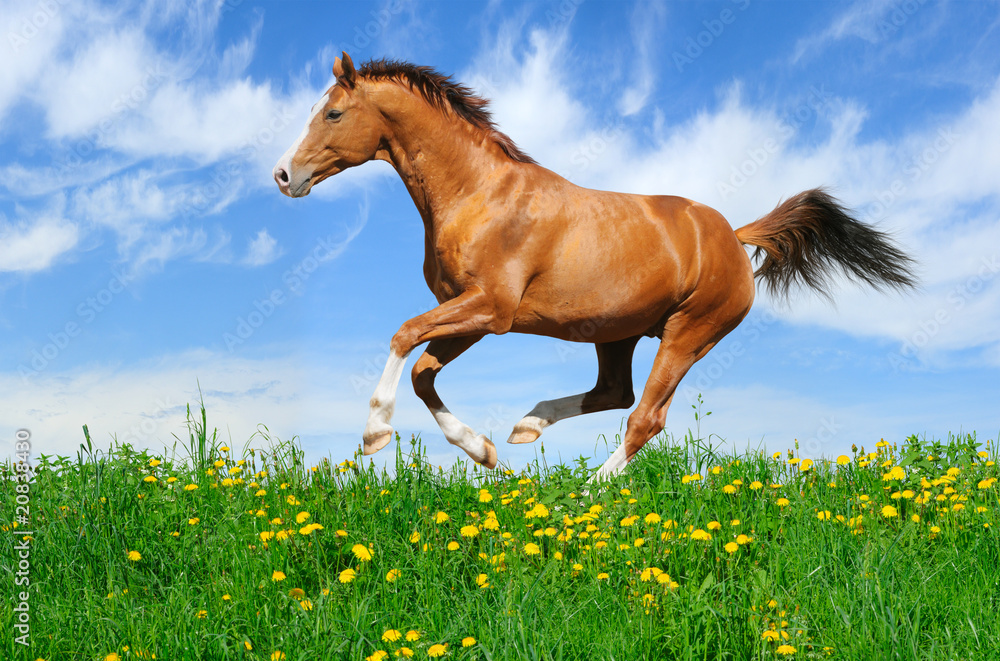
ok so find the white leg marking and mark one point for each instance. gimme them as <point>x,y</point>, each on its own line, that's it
<point>383,402</point>
<point>460,434</point>
<point>545,414</point>
<point>613,466</point>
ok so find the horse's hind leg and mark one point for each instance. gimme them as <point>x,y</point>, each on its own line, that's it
<point>613,391</point>
<point>438,354</point>
<point>686,339</point>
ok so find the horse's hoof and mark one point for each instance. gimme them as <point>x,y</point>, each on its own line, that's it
<point>491,455</point>
<point>526,436</point>
<point>377,443</point>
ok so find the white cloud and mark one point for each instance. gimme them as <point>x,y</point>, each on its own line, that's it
<point>168,245</point>
<point>262,249</point>
<point>31,37</point>
<point>103,80</point>
<point>27,246</point>
<point>647,20</point>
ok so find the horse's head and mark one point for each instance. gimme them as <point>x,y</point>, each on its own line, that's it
<point>343,130</point>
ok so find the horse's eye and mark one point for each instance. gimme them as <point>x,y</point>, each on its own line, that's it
<point>333,114</point>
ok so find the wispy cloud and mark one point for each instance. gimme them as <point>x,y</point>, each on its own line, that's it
<point>647,20</point>
<point>868,20</point>
<point>262,249</point>
<point>33,245</point>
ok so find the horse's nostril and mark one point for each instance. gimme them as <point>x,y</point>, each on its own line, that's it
<point>281,176</point>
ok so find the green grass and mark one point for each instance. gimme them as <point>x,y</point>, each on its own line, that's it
<point>865,583</point>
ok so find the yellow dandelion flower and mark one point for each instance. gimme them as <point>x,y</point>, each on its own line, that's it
<point>732,547</point>
<point>531,549</point>
<point>824,515</point>
<point>361,552</point>
<point>729,489</point>
<point>755,485</point>
<point>714,525</point>
<point>391,576</point>
<point>412,636</point>
<point>603,576</point>
<point>770,635</point>
<point>700,535</point>
<point>415,537</point>
<point>112,657</point>
<point>190,487</point>
<point>485,496</point>
<point>193,521</point>
<point>405,652</point>
<point>743,539</point>
<point>452,546</point>
<point>469,531</point>
<point>202,614</point>
<point>437,650</point>
<point>782,502</point>
<point>786,650</point>
<point>134,556</point>
<point>149,478</point>
<point>889,511</point>
<point>652,518</point>
<point>468,641</point>
<point>301,517</point>
<point>277,656</point>
<point>391,636</point>
<point>483,581</point>
<point>347,575</point>
<point>843,460</point>
<point>806,465</point>
<point>441,517</point>
<point>277,576</point>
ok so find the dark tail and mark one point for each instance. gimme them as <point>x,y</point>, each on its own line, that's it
<point>809,237</point>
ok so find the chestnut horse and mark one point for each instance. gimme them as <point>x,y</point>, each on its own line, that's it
<point>513,247</point>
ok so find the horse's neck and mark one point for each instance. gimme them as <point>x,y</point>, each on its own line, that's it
<point>441,160</point>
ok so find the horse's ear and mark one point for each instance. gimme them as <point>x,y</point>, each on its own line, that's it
<point>344,70</point>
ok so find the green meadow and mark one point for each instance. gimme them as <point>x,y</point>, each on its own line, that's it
<point>204,551</point>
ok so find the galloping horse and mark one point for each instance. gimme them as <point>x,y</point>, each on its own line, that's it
<point>513,247</point>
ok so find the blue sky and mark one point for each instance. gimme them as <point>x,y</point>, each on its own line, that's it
<point>140,228</point>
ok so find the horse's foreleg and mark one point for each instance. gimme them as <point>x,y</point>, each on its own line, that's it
<point>438,354</point>
<point>469,314</point>
<point>613,391</point>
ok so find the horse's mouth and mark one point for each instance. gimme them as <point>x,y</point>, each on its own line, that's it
<point>301,189</point>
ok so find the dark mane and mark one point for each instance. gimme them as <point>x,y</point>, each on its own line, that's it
<point>440,90</point>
